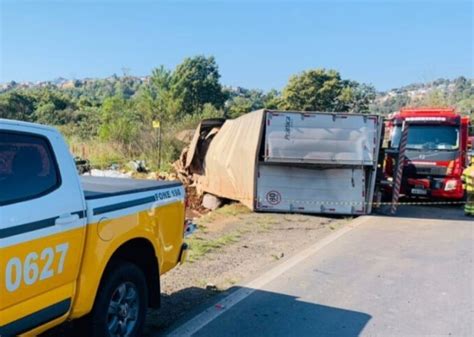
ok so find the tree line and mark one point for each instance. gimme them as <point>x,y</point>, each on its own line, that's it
<point>193,88</point>
<point>120,110</point>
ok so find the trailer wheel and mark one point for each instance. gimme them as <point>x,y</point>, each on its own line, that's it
<point>121,303</point>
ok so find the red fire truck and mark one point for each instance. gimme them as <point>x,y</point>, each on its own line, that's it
<point>436,152</point>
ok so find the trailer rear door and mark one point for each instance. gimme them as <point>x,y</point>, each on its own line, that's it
<point>284,188</point>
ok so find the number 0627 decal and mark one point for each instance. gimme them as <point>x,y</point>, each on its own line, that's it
<point>29,271</point>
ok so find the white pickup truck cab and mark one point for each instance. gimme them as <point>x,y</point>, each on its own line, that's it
<point>79,247</point>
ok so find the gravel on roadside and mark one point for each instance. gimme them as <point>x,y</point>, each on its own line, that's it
<point>233,245</point>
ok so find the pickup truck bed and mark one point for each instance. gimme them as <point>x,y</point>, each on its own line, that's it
<point>103,187</point>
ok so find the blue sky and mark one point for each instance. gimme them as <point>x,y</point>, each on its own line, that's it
<point>257,44</point>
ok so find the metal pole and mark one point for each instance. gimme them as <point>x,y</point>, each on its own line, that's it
<point>399,170</point>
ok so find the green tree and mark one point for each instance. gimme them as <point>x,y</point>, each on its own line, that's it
<point>356,97</point>
<point>324,90</point>
<point>241,101</point>
<point>17,105</point>
<point>194,83</point>
<point>159,96</point>
<point>272,99</point>
<point>312,90</point>
<point>119,121</point>
<point>54,107</point>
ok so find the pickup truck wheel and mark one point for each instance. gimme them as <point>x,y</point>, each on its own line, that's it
<point>122,316</point>
<point>121,303</point>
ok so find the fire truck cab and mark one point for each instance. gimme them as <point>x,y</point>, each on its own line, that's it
<point>436,151</point>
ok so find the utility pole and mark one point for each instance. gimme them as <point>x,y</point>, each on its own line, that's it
<point>157,125</point>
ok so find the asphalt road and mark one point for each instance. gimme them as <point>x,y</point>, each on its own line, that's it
<point>410,275</point>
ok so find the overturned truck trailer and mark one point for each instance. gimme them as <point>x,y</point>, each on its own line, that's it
<point>287,161</point>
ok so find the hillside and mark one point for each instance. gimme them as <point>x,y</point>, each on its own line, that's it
<point>110,120</point>
<point>458,92</point>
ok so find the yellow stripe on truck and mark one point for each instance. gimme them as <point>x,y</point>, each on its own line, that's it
<point>38,266</point>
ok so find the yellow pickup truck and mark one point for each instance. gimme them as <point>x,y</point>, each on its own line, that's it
<point>76,247</point>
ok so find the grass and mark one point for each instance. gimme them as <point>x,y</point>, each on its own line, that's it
<point>206,218</point>
<point>100,154</point>
<point>244,229</point>
<point>340,223</point>
<point>231,281</point>
<point>275,257</point>
<point>232,210</point>
<point>266,222</point>
<point>200,246</point>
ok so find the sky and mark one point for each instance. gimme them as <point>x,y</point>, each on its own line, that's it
<point>257,44</point>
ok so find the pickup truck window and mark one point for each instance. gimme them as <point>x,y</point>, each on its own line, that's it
<point>28,168</point>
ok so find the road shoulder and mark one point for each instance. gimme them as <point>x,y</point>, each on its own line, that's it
<point>195,321</point>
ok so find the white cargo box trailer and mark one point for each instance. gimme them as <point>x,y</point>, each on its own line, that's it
<point>279,161</point>
<point>321,138</point>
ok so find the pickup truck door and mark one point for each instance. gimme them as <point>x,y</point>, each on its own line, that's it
<point>42,228</point>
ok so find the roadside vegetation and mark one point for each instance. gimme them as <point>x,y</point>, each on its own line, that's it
<point>110,120</point>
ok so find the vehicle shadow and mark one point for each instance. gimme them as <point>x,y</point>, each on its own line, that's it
<point>178,304</point>
<point>434,211</point>
<point>265,313</point>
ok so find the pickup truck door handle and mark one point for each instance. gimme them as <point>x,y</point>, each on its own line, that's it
<point>66,219</point>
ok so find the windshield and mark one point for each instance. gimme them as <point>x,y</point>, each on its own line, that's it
<point>428,137</point>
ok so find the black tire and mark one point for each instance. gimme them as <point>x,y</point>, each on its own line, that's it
<point>118,274</point>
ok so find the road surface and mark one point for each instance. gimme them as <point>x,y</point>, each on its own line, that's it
<point>410,275</point>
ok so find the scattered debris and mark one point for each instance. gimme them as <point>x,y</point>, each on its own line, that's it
<point>138,166</point>
<point>211,202</point>
<point>278,256</point>
<point>188,170</point>
<point>110,173</point>
<point>115,166</point>
<point>82,165</point>
<point>211,287</point>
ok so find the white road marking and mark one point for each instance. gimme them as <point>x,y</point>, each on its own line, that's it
<point>196,323</point>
